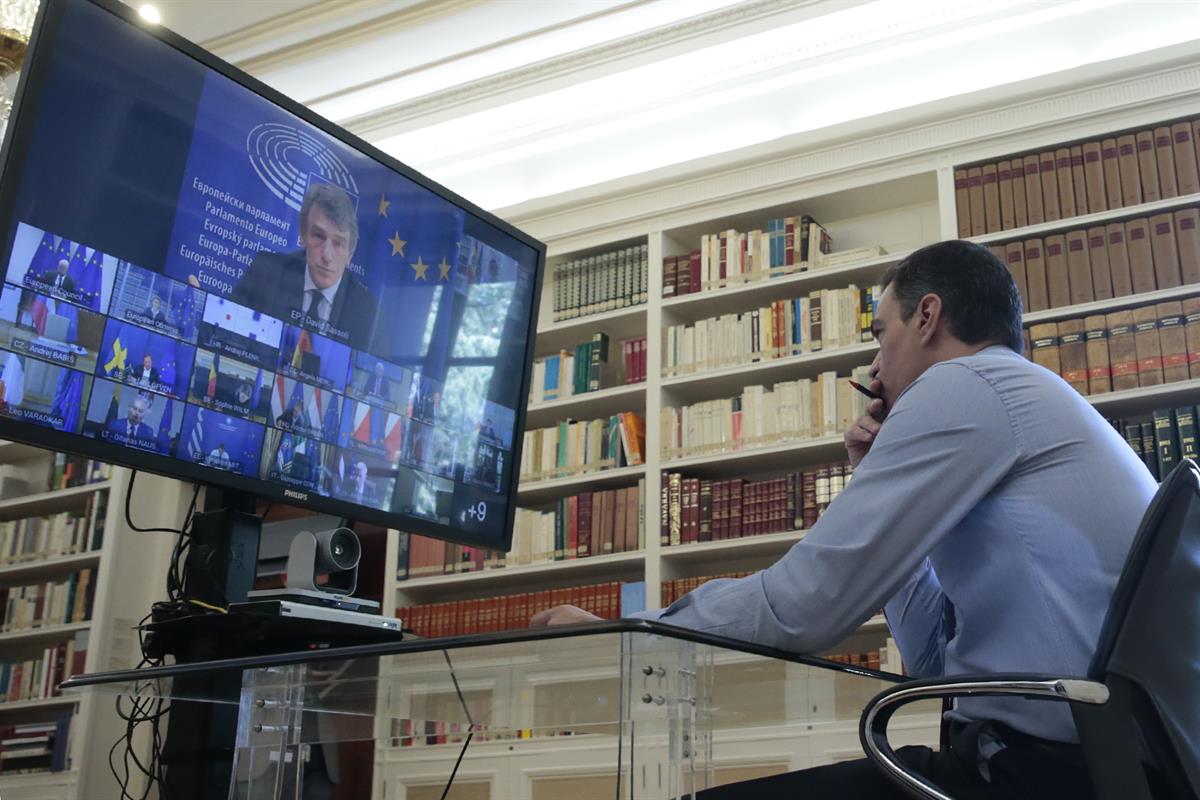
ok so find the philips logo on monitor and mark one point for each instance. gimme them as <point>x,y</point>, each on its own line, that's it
<point>284,157</point>
<point>294,495</point>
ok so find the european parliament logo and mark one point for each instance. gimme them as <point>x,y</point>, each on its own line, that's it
<point>285,157</point>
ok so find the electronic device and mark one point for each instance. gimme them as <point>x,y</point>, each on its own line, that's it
<point>174,186</point>
<point>292,609</point>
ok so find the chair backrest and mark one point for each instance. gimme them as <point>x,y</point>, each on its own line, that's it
<point>1149,646</point>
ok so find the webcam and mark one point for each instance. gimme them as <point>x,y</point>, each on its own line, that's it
<point>324,562</point>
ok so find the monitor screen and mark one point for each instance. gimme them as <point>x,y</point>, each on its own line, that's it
<point>203,279</point>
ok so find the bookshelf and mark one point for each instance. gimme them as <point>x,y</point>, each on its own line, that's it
<point>891,185</point>
<point>899,204</point>
<point>136,563</point>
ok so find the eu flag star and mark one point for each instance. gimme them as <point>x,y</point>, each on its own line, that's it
<point>383,205</point>
<point>444,270</point>
<point>397,244</point>
<point>420,267</point>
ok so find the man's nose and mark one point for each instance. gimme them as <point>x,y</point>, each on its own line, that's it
<point>874,370</point>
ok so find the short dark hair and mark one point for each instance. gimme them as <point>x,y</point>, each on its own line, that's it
<point>336,204</point>
<point>979,297</point>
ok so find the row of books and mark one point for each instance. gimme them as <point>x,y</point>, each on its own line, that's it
<point>510,612</point>
<point>1084,178</point>
<point>576,447</point>
<point>49,603</point>
<point>824,320</point>
<point>582,525</point>
<point>1102,262</point>
<point>586,524</point>
<point>703,510</point>
<point>63,534</point>
<point>39,678</point>
<point>732,257</point>
<point>807,408</point>
<point>69,471</point>
<point>600,283</point>
<point>582,368</point>
<point>886,658</point>
<point>1144,346</point>
<point>35,746</point>
<point>1163,438</point>
<point>586,368</point>
<point>422,557</point>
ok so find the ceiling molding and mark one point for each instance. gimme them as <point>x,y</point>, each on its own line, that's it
<point>413,113</point>
<point>860,152</point>
<point>308,31</point>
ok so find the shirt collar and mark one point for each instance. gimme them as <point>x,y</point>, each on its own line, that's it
<point>329,293</point>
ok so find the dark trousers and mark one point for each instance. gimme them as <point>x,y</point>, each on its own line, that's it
<point>1026,769</point>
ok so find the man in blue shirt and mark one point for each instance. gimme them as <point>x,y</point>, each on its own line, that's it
<point>990,514</point>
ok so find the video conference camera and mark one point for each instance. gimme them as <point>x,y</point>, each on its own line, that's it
<point>332,555</point>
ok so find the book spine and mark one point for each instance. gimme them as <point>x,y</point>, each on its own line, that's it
<point>1164,154</point>
<point>1122,350</point>
<point>1110,166</point>
<point>1072,350</point>
<point>1147,166</point>
<point>1172,339</point>
<point>1147,346</point>
<point>1020,205</point>
<point>1095,334</point>
<point>1035,275</point>
<point>1093,178</point>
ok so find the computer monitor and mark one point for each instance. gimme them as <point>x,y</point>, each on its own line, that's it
<point>203,279</point>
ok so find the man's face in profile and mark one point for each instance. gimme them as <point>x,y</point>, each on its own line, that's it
<point>326,248</point>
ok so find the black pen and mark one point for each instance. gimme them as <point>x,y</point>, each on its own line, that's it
<point>865,390</point>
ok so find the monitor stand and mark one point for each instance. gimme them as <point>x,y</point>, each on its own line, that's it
<point>197,756</point>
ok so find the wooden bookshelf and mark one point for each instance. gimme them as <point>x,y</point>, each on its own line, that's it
<point>1089,220</point>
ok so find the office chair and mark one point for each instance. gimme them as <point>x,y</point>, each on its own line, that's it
<point>1139,704</point>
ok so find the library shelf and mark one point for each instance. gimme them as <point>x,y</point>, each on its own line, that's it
<point>47,633</point>
<point>620,323</point>
<point>588,405</point>
<point>48,502</point>
<point>37,568</point>
<point>1146,398</point>
<point>725,381</point>
<point>545,491</point>
<point>1089,220</point>
<point>763,544</point>
<point>506,580</point>
<point>1112,304</point>
<point>797,454</point>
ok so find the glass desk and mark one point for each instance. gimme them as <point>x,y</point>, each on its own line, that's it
<point>627,709</point>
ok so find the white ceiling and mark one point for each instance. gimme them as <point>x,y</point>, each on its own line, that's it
<point>507,101</point>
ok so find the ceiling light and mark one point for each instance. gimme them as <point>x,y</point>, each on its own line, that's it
<point>150,14</point>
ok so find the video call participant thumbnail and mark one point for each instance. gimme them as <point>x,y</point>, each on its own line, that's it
<point>311,287</point>
<point>379,383</point>
<point>363,480</point>
<point>154,301</point>
<point>230,386</point>
<point>131,417</point>
<point>151,361</point>
<point>220,441</point>
<point>304,409</point>
<point>298,461</point>
<point>41,393</point>
<point>313,358</point>
<point>49,329</point>
<point>56,266</point>
<point>245,333</point>
<point>367,429</point>
<point>423,495</point>
<point>425,398</point>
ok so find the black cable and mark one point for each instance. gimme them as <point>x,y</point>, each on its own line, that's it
<point>470,722</point>
<point>137,711</point>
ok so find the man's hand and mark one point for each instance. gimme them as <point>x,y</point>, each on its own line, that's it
<point>862,433</point>
<point>561,615</point>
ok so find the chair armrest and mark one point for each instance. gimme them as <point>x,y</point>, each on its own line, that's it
<point>872,726</point>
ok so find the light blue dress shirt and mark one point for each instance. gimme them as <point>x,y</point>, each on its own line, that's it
<point>991,485</point>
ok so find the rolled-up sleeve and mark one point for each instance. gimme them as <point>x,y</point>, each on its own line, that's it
<point>946,444</point>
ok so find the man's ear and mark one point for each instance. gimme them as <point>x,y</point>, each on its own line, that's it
<point>929,317</point>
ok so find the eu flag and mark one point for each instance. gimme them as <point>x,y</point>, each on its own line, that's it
<point>68,396</point>
<point>43,260</point>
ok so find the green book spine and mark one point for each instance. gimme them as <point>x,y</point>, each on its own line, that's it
<point>1149,456</point>
<point>599,357</point>
<point>1185,425</point>
<point>1166,442</point>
